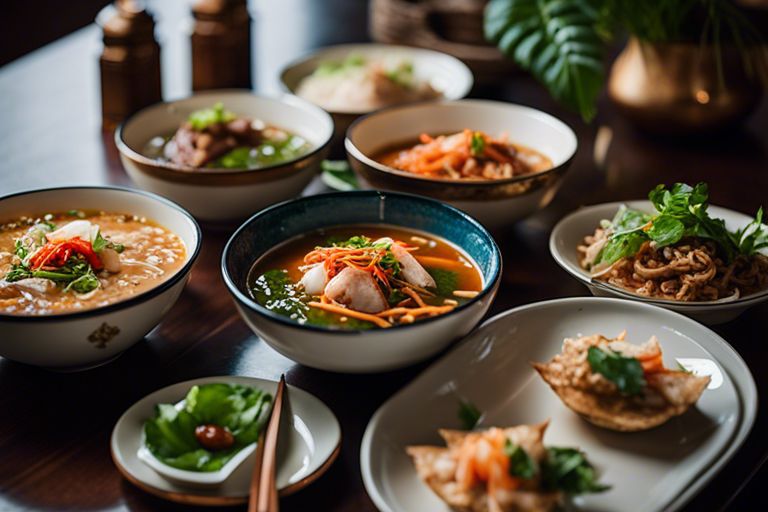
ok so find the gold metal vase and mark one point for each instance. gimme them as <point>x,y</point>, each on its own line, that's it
<point>676,88</point>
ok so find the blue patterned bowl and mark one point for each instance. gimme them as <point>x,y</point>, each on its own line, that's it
<point>350,350</point>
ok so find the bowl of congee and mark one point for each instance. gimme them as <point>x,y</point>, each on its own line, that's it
<point>86,272</point>
<point>225,154</point>
<point>497,161</point>
<point>361,281</point>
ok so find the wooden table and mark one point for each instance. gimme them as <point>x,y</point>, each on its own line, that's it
<point>54,428</point>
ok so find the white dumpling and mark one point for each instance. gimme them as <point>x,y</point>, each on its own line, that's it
<point>410,269</point>
<point>357,290</point>
<point>314,280</point>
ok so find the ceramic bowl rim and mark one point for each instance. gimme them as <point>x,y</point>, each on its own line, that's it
<point>354,152</point>
<point>563,262</point>
<point>252,305</point>
<point>307,56</point>
<point>185,170</point>
<point>136,299</point>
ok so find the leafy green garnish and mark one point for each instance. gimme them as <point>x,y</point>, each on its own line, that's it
<point>332,67</point>
<point>568,470</point>
<point>338,175</point>
<point>203,118</point>
<point>20,250</point>
<point>275,291</point>
<point>521,465</point>
<point>75,275</point>
<point>101,243</point>
<point>269,152</point>
<point>469,414</point>
<point>447,281</point>
<point>477,144</point>
<point>170,435</point>
<point>402,74</point>
<point>625,372</point>
<point>353,242</point>
<point>680,212</point>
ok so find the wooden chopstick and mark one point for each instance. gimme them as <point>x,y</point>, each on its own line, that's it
<point>263,487</point>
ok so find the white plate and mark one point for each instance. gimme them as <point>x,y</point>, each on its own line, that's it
<point>306,451</point>
<point>571,230</point>
<point>659,469</point>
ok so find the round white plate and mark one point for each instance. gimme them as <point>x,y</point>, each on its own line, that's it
<point>654,470</point>
<point>305,452</point>
<point>571,230</point>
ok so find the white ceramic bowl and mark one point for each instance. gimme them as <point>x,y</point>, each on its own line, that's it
<point>61,342</point>
<point>496,203</point>
<point>651,471</point>
<point>372,350</point>
<point>443,72</point>
<point>225,194</point>
<point>570,231</point>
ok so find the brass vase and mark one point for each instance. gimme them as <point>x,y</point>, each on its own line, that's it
<point>675,88</point>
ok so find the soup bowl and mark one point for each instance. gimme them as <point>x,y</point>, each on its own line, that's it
<point>445,73</point>
<point>359,351</point>
<point>225,194</point>
<point>571,230</point>
<point>495,203</point>
<point>86,338</point>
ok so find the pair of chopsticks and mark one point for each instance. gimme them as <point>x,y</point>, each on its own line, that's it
<point>263,487</point>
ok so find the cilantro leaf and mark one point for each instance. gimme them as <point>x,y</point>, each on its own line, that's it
<point>569,471</point>
<point>521,465</point>
<point>469,414</point>
<point>477,144</point>
<point>625,372</point>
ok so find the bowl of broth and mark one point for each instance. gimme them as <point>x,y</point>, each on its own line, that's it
<point>497,161</point>
<point>86,272</point>
<point>225,154</point>
<point>361,281</point>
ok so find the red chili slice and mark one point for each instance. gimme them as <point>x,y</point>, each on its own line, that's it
<point>57,254</point>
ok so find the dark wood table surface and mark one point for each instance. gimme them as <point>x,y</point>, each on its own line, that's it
<point>55,428</point>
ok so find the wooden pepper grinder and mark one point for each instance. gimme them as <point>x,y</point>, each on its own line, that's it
<point>130,61</point>
<point>221,45</point>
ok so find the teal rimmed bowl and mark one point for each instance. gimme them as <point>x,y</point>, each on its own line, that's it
<point>351,350</point>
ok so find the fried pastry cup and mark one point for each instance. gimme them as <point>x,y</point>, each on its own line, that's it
<point>667,392</point>
<point>446,471</point>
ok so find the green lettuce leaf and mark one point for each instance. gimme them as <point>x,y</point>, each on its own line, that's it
<point>170,435</point>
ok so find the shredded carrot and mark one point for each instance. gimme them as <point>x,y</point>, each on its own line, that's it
<point>332,308</point>
<point>415,296</point>
<point>426,310</point>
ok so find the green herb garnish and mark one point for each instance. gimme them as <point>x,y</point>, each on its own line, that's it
<point>269,152</point>
<point>625,372</point>
<point>680,212</point>
<point>477,144</point>
<point>75,275</point>
<point>521,465</point>
<point>446,280</point>
<point>569,471</point>
<point>170,435</point>
<point>202,119</point>
<point>469,414</point>
<point>332,67</point>
<point>101,243</point>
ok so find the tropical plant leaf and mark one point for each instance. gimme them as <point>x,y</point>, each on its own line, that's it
<point>557,41</point>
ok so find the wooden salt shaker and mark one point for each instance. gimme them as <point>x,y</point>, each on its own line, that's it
<point>130,61</point>
<point>221,45</point>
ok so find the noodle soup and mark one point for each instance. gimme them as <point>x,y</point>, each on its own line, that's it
<point>81,260</point>
<point>362,277</point>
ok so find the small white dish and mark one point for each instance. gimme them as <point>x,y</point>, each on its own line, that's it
<point>305,451</point>
<point>196,478</point>
<point>571,230</point>
<point>655,470</point>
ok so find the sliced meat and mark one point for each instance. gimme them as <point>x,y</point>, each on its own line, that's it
<point>314,280</point>
<point>357,290</point>
<point>410,269</point>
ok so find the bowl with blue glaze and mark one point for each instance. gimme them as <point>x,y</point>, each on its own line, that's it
<point>350,350</point>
